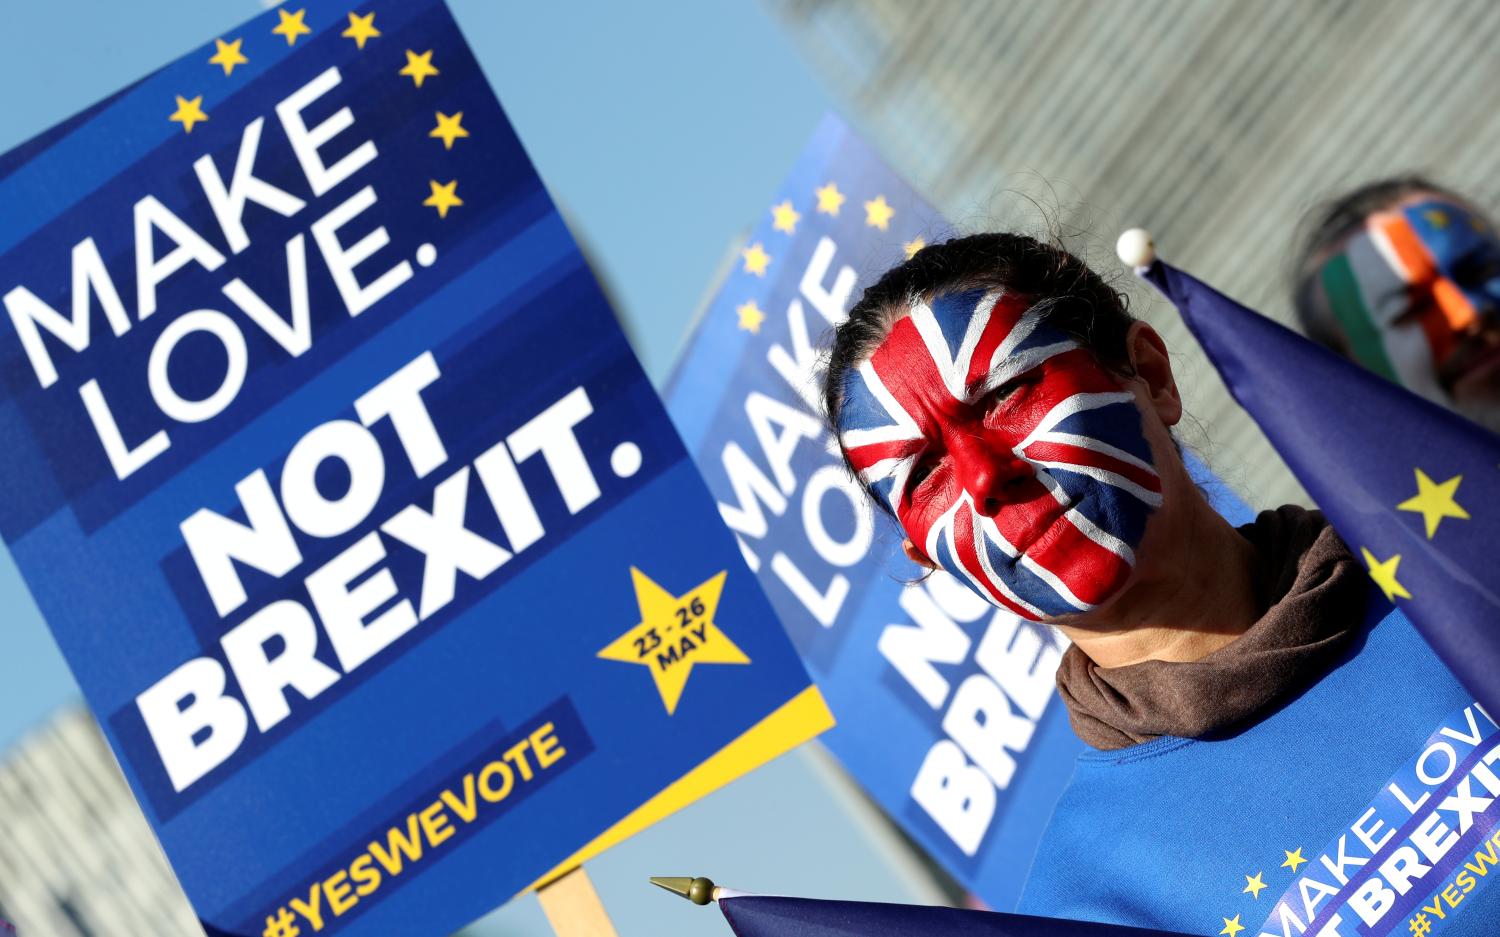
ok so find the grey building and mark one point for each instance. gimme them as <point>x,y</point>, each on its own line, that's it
<point>1215,123</point>
<point>76,856</point>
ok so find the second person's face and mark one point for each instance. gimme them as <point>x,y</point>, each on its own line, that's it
<point>1415,295</point>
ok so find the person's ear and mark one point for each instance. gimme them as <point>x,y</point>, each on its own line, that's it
<point>1153,367</point>
<point>916,555</point>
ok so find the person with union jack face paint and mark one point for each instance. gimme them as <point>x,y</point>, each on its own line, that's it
<point>1246,693</point>
<point>996,398</point>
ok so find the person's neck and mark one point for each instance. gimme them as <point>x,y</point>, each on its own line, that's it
<point>1196,596</point>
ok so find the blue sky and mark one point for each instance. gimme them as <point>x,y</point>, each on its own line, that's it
<point>662,130</point>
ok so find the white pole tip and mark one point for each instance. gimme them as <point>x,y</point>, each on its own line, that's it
<point>1136,248</point>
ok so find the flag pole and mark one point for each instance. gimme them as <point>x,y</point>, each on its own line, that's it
<point>573,907</point>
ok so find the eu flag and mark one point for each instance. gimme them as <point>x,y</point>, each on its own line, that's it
<point>766,916</point>
<point>1413,488</point>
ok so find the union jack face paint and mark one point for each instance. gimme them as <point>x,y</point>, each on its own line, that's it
<point>1010,456</point>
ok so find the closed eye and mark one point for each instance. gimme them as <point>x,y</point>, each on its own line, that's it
<point>1476,270</point>
<point>1010,387</point>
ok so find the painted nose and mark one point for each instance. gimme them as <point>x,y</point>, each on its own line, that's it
<point>991,473</point>
<point>1456,304</point>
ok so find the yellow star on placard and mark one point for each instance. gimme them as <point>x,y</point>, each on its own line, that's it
<point>228,54</point>
<point>878,213</point>
<point>830,199</point>
<point>1436,217</point>
<point>911,247</point>
<point>443,197</point>
<point>1232,926</point>
<point>674,633</point>
<point>756,259</point>
<point>1384,574</point>
<point>1293,859</point>
<point>750,317</point>
<point>361,29</point>
<point>418,67</point>
<point>291,26</point>
<point>786,217</point>
<point>188,112</point>
<point>1253,884</point>
<point>448,129</point>
<point>1434,502</point>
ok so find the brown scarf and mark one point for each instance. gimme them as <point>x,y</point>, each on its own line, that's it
<point>1312,592</point>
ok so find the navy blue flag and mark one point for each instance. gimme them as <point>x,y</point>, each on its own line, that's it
<point>1413,488</point>
<point>766,916</point>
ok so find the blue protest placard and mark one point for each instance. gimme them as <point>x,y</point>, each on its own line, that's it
<point>364,533</point>
<point>947,708</point>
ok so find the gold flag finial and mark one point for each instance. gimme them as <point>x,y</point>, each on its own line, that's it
<point>697,890</point>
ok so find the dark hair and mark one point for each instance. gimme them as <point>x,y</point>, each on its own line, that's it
<point>1074,298</point>
<point>1332,222</point>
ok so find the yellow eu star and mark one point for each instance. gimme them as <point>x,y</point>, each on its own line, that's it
<point>449,129</point>
<point>361,29</point>
<point>756,259</point>
<point>1293,859</point>
<point>1232,926</point>
<point>443,197</point>
<point>911,247</point>
<point>188,112</point>
<point>1253,884</point>
<point>1434,502</point>
<point>1384,574</point>
<point>418,67</point>
<point>830,199</point>
<point>878,213</point>
<point>674,633</point>
<point>750,316</point>
<point>1436,217</point>
<point>291,26</point>
<point>785,217</point>
<point>228,55</point>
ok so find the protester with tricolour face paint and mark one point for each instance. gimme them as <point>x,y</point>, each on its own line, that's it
<point>1403,277</point>
<point>1247,694</point>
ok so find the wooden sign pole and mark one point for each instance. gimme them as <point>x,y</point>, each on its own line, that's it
<point>573,907</point>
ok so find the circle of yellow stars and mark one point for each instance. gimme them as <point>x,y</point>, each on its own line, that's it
<point>827,199</point>
<point>1435,501</point>
<point>292,25</point>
